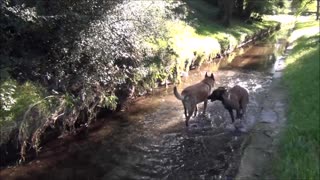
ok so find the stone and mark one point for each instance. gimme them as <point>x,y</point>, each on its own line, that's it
<point>268,116</point>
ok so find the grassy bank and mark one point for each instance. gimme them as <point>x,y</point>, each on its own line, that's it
<point>201,37</point>
<point>298,156</point>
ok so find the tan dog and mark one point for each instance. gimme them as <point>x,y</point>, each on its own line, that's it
<point>192,95</point>
<point>235,98</point>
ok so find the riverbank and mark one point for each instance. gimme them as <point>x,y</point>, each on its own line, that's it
<point>150,140</point>
<point>284,144</point>
<point>42,107</point>
<point>298,155</point>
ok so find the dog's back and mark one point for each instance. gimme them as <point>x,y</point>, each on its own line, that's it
<point>194,94</point>
<point>235,98</point>
<point>199,91</point>
<point>242,95</point>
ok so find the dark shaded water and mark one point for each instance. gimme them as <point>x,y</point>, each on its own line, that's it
<point>150,140</point>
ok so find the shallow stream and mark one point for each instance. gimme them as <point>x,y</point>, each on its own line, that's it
<point>150,139</point>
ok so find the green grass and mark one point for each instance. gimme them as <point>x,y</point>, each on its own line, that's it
<point>307,24</point>
<point>298,156</point>
<point>203,35</point>
<point>200,37</point>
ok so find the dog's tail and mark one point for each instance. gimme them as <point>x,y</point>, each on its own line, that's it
<point>176,93</point>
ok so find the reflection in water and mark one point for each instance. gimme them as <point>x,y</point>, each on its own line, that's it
<point>150,140</point>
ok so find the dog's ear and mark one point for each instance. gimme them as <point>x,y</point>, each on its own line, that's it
<point>212,76</point>
<point>206,75</point>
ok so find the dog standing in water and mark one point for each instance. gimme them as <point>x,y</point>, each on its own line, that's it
<point>195,94</point>
<point>235,98</point>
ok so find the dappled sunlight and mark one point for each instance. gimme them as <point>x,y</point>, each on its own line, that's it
<point>186,42</point>
<point>299,55</point>
<point>188,46</point>
<point>307,32</point>
<point>282,18</point>
<point>303,40</point>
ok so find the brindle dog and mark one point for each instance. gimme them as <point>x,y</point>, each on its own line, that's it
<point>195,94</point>
<point>235,98</point>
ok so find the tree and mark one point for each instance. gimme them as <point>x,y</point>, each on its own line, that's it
<point>82,52</point>
<point>246,8</point>
<point>239,7</point>
<point>300,5</point>
<point>318,9</point>
<point>226,7</point>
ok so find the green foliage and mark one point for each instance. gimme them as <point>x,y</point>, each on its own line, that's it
<point>299,146</point>
<point>308,24</point>
<point>69,100</point>
<point>265,6</point>
<point>109,102</point>
<point>16,98</point>
<point>303,5</point>
<point>15,101</point>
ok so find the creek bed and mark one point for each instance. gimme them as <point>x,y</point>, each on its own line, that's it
<point>150,140</point>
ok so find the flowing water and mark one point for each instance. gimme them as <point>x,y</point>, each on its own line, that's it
<point>150,139</point>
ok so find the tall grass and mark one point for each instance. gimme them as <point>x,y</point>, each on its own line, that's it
<point>298,156</point>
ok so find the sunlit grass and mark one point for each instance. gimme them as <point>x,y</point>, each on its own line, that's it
<point>306,29</point>
<point>282,18</point>
<point>205,37</point>
<point>298,156</point>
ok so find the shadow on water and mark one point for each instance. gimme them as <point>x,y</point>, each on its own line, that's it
<point>150,140</point>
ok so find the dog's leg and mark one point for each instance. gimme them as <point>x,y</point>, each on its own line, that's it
<point>187,120</point>
<point>243,108</point>
<point>185,109</point>
<point>231,114</point>
<point>239,115</point>
<point>190,112</point>
<point>195,111</point>
<point>205,106</point>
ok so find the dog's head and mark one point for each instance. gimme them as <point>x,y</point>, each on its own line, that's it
<point>209,79</point>
<point>217,94</point>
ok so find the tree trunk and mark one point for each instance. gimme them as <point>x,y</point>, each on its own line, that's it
<point>221,9</point>
<point>228,6</point>
<point>239,7</point>
<point>225,11</point>
<point>318,9</point>
<point>248,10</point>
